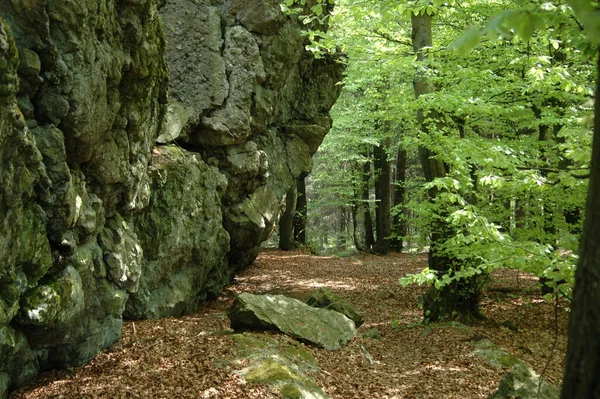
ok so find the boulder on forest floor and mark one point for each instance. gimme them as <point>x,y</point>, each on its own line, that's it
<point>281,363</point>
<point>521,381</point>
<point>324,298</point>
<point>524,383</point>
<point>320,327</point>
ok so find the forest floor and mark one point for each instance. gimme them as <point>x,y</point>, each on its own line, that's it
<point>394,356</point>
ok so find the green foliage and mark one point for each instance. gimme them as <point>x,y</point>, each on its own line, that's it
<point>509,117</point>
<point>316,16</point>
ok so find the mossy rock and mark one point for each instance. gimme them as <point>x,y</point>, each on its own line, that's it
<point>4,383</point>
<point>523,383</point>
<point>323,328</point>
<point>259,346</point>
<point>498,357</point>
<point>248,344</point>
<point>271,371</point>
<point>324,298</point>
<point>290,391</point>
<point>55,302</point>
<point>283,364</point>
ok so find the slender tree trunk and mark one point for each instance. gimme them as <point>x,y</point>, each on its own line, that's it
<point>547,221</point>
<point>399,227</point>
<point>459,299</point>
<point>286,225</point>
<point>383,190</point>
<point>301,215</point>
<point>343,229</point>
<point>367,219</point>
<point>355,235</point>
<point>356,207</point>
<point>583,349</point>
<point>377,189</point>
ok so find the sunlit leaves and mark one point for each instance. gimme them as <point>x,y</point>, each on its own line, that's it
<point>501,73</point>
<point>469,39</point>
<point>589,13</point>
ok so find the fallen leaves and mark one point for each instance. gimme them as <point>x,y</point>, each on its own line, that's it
<point>395,356</point>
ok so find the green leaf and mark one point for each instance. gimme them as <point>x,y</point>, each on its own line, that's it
<point>587,12</point>
<point>523,25</point>
<point>469,39</point>
<point>499,25</point>
<point>318,9</point>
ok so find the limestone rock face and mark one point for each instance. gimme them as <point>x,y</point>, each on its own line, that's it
<point>145,149</point>
<point>24,249</point>
<point>321,327</point>
<point>184,243</point>
<point>252,100</point>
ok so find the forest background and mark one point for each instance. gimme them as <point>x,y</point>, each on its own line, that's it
<point>464,128</point>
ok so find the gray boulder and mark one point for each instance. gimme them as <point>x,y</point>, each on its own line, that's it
<point>324,298</point>
<point>320,327</point>
<point>522,382</point>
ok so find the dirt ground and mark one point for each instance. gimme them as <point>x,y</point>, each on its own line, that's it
<point>395,355</point>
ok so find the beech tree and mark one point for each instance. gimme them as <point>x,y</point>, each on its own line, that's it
<point>498,119</point>
<point>301,214</point>
<point>583,350</point>
<point>287,241</point>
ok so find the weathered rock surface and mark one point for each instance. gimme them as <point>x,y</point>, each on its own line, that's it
<point>320,327</point>
<point>184,243</point>
<point>523,383</point>
<point>145,148</point>
<point>326,299</point>
<point>286,366</point>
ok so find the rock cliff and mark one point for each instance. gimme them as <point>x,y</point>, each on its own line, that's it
<point>145,148</point>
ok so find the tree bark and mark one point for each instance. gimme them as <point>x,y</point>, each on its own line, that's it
<point>286,225</point>
<point>343,229</point>
<point>583,349</point>
<point>458,300</point>
<point>301,214</point>
<point>355,235</point>
<point>384,198</point>
<point>367,219</point>
<point>399,227</point>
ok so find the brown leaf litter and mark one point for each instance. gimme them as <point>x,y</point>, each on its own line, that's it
<point>395,355</point>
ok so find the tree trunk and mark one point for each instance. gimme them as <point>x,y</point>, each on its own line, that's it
<point>367,219</point>
<point>548,212</point>
<point>383,196</point>
<point>355,235</point>
<point>459,299</point>
<point>343,229</point>
<point>286,225</point>
<point>300,217</point>
<point>399,227</point>
<point>377,189</point>
<point>583,349</point>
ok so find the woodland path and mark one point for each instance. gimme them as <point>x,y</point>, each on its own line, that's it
<point>187,358</point>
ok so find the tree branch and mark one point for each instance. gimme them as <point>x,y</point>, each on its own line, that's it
<point>389,38</point>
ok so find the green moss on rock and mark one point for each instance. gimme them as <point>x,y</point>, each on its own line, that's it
<point>281,363</point>
<point>270,371</point>
<point>53,303</point>
<point>326,299</point>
